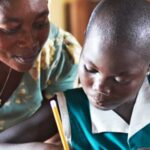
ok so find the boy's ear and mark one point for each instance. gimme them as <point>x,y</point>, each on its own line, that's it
<point>148,70</point>
<point>148,74</point>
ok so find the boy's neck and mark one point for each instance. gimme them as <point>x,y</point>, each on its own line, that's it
<point>125,111</point>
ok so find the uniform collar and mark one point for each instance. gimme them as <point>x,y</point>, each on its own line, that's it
<point>110,121</point>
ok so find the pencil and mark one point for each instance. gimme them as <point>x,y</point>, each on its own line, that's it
<point>59,124</point>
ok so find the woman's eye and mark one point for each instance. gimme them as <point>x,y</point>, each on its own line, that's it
<point>91,70</point>
<point>121,80</point>
<point>9,31</point>
<point>41,24</point>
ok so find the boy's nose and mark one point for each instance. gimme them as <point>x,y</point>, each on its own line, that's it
<point>100,86</point>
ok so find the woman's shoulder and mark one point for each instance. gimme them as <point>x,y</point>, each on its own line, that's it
<point>57,32</point>
<point>59,44</point>
<point>63,40</point>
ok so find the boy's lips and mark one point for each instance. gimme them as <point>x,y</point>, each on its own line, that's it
<point>102,101</point>
<point>97,97</point>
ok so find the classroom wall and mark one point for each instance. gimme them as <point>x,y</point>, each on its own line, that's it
<point>72,15</point>
<point>57,12</point>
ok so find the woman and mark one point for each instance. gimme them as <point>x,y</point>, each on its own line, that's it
<point>35,62</point>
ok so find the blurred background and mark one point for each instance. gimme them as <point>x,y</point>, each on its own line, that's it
<point>72,15</point>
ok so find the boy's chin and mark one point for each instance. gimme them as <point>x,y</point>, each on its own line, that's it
<point>103,107</point>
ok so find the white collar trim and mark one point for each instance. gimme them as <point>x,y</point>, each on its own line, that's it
<point>110,121</point>
<point>140,116</point>
<point>103,121</point>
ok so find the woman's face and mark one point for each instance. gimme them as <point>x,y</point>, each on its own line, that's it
<point>110,77</point>
<point>24,28</point>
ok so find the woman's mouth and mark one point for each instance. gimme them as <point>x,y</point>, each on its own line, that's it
<point>25,60</point>
<point>29,59</point>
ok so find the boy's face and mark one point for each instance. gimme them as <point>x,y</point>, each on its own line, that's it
<point>110,75</point>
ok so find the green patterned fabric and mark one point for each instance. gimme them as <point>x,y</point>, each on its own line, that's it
<point>54,70</point>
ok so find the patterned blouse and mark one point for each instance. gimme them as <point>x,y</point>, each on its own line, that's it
<point>54,70</point>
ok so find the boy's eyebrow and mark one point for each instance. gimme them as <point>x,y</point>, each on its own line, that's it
<point>91,63</point>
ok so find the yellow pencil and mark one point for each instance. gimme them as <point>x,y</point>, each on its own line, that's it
<point>59,124</point>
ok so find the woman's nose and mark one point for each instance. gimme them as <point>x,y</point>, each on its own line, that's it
<point>27,40</point>
<point>100,85</point>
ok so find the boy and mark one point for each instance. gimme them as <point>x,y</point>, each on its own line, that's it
<point>111,109</point>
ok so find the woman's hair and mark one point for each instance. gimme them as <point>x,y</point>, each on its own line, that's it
<point>123,22</point>
<point>5,3</point>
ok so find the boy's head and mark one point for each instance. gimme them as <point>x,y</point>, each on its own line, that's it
<point>122,23</point>
<point>116,52</point>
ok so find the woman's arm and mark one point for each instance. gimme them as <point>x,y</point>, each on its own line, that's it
<point>39,127</point>
<point>30,146</point>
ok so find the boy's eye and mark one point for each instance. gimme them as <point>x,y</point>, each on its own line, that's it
<point>90,69</point>
<point>121,80</point>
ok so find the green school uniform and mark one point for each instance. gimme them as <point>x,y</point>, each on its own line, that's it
<point>88,128</point>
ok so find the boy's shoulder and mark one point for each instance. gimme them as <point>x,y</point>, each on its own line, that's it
<point>76,96</point>
<point>74,92</point>
<point>148,78</point>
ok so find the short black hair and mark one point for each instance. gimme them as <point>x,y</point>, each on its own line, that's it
<point>123,22</point>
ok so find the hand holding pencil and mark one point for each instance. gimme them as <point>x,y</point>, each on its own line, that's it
<point>59,124</point>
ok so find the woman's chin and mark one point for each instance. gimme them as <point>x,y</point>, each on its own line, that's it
<point>22,68</point>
